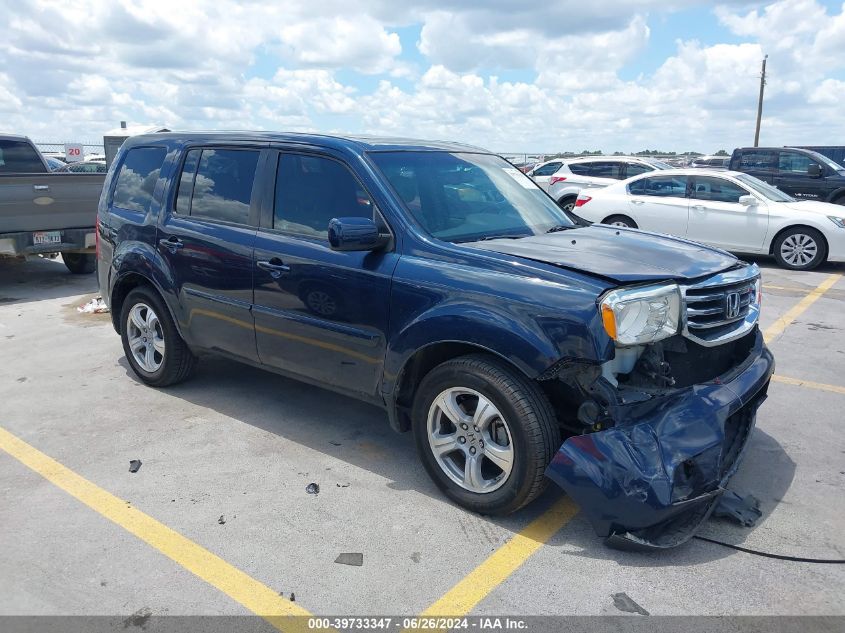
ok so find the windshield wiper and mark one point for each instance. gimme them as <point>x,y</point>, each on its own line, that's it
<point>559,227</point>
<point>499,237</point>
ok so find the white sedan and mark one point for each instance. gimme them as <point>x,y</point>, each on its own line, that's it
<point>726,209</point>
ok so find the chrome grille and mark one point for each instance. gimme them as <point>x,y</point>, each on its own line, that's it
<point>721,308</point>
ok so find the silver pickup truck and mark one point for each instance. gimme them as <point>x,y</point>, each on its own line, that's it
<point>43,212</point>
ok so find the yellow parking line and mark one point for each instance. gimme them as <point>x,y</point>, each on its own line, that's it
<point>239,586</point>
<point>808,383</point>
<point>777,328</point>
<point>474,587</point>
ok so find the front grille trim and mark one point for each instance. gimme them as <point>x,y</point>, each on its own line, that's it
<point>704,302</point>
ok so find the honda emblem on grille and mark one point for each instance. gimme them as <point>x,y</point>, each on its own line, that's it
<point>732,305</point>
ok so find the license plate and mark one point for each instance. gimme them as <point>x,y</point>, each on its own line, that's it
<point>47,237</point>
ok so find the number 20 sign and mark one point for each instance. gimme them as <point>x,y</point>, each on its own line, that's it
<point>73,152</point>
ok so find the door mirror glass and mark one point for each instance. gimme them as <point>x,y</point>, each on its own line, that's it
<point>748,201</point>
<point>814,170</point>
<point>354,234</point>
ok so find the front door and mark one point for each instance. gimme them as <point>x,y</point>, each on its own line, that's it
<point>716,217</point>
<point>319,313</point>
<point>207,236</point>
<point>792,177</point>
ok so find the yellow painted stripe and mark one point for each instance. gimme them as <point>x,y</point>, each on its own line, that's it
<point>463,597</point>
<point>240,587</point>
<point>808,383</point>
<point>777,328</point>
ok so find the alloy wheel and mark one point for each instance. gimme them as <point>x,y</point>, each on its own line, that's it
<point>146,337</point>
<point>799,249</point>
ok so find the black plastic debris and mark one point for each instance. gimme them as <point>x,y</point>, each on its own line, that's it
<point>134,465</point>
<point>312,488</point>
<point>292,597</point>
<point>743,510</point>
<point>221,520</point>
<point>623,602</point>
<point>355,559</point>
<point>342,485</point>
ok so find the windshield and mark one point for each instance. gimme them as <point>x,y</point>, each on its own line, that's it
<point>460,197</point>
<point>763,188</point>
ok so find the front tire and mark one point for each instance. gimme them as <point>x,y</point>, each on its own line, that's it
<point>621,220</point>
<point>800,248</point>
<point>568,203</point>
<point>80,263</point>
<point>151,342</point>
<point>484,433</point>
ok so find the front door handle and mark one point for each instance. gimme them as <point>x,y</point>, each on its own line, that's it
<point>41,187</point>
<point>699,207</point>
<point>172,243</point>
<point>274,266</point>
<point>637,201</point>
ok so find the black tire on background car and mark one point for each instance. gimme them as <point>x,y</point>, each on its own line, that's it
<point>80,263</point>
<point>620,220</point>
<point>568,203</point>
<point>800,248</point>
<point>151,342</point>
<point>485,433</point>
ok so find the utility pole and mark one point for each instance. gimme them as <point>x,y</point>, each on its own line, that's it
<point>760,103</point>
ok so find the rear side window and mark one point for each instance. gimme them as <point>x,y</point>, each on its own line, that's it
<point>635,169</point>
<point>610,169</point>
<point>137,178</point>
<point>716,189</point>
<point>216,184</point>
<point>757,160</point>
<point>311,191</point>
<point>581,169</point>
<point>660,186</point>
<point>19,157</point>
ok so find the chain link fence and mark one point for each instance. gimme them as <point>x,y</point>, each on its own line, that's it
<point>58,149</point>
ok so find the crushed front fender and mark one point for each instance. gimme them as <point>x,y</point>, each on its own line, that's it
<point>652,479</point>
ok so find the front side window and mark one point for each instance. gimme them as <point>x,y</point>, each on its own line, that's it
<point>764,188</point>
<point>18,157</point>
<point>547,170</point>
<point>137,178</point>
<point>222,185</point>
<point>716,189</point>
<point>312,190</point>
<point>463,197</point>
<point>635,169</point>
<point>660,186</point>
<point>794,163</point>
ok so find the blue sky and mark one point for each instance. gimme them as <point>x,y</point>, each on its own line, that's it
<point>668,74</point>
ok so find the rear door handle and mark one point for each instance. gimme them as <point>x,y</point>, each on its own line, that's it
<point>274,266</point>
<point>172,243</point>
<point>637,201</point>
<point>699,207</point>
<point>41,187</point>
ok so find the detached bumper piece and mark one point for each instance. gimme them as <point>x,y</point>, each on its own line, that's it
<point>650,481</point>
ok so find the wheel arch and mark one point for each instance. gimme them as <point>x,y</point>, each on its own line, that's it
<point>797,226</point>
<point>837,196</point>
<point>125,284</point>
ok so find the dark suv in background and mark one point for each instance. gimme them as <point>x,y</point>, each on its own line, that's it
<point>440,283</point>
<point>802,173</point>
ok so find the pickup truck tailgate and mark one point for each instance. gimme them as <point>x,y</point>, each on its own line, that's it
<point>48,202</point>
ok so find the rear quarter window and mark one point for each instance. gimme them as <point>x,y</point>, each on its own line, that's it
<point>18,157</point>
<point>137,178</point>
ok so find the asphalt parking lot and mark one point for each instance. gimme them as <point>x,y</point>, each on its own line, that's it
<point>217,520</point>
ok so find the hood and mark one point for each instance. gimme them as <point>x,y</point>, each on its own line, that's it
<point>816,207</point>
<point>618,254</point>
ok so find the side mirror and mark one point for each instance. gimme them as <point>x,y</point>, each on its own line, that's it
<point>814,170</point>
<point>748,201</point>
<point>355,234</point>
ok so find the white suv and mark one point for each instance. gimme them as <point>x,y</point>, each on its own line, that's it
<point>563,179</point>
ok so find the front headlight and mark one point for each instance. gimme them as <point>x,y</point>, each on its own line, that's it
<point>641,315</point>
<point>840,222</point>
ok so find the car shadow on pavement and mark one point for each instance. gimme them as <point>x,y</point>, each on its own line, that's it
<point>37,279</point>
<point>358,434</point>
<point>768,262</point>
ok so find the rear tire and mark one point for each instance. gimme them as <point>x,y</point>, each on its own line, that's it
<point>511,433</point>
<point>800,248</point>
<point>620,220</point>
<point>151,342</point>
<point>80,263</point>
<point>568,203</point>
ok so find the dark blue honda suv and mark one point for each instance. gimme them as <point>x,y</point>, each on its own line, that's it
<point>439,282</point>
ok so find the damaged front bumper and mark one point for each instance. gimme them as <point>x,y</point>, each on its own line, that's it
<point>652,479</point>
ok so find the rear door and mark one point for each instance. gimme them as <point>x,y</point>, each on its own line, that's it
<point>659,203</point>
<point>792,176</point>
<point>207,236</point>
<point>717,218</point>
<point>541,175</point>
<point>320,314</point>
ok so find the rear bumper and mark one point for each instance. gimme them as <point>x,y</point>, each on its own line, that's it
<point>73,240</point>
<point>651,480</point>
